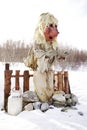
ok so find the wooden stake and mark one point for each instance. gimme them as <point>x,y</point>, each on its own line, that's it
<point>7,86</point>
<point>60,81</point>
<point>66,82</point>
<point>26,81</point>
<point>17,87</point>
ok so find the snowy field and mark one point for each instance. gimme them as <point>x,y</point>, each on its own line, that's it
<point>52,119</point>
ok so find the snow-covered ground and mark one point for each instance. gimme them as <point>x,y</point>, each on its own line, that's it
<point>52,119</point>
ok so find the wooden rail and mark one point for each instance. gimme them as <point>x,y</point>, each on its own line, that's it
<point>62,82</point>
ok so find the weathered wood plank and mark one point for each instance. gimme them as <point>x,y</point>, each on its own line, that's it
<point>26,81</point>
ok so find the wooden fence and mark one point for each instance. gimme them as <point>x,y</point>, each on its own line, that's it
<point>61,78</point>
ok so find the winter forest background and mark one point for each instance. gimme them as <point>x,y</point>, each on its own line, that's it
<point>16,51</point>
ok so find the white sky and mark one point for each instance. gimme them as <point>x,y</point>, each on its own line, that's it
<point>18,20</point>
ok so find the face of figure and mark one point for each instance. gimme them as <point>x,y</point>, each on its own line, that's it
<point>51,32</point>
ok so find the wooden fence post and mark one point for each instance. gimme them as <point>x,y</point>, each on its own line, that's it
<point>66,83</point>
<point>17,87</point>
<point>26,81</point>
<point>6,66</point>
<point>7,84</point>
<point>60,81</point>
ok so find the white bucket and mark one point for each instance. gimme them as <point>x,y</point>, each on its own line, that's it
<point>14,103</point>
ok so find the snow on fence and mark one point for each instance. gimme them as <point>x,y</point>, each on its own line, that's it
<point>61,82</point>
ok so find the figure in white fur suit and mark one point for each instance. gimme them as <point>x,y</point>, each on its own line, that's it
<point>43,55</point>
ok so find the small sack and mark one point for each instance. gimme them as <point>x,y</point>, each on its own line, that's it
<point>31,60</point>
